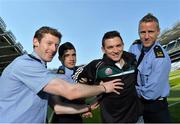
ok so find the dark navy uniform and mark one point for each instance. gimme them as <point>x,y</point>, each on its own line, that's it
<point>67,118</point>
<point>115,108</point>
<point>153,81</point>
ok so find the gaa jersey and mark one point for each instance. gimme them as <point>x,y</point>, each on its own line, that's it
<point>115,108</point>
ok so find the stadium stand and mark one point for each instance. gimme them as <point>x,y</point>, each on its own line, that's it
<point>170,40</point>
<point>9,48</point>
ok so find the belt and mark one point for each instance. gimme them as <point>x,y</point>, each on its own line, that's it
<point>162,98</point>
<point>151,101</point>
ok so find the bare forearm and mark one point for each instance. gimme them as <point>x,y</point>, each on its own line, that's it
<point>74,91</point>
<point>71,109</point>
<point>82,90</point>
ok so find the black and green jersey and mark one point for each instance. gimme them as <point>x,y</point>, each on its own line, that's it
<point>115,108</point>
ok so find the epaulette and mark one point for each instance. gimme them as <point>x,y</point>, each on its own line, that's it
<point>61,71</point>
<point>158,52</point>
<point>138,41</point>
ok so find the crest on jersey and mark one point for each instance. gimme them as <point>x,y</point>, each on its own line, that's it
<point>108,71</point>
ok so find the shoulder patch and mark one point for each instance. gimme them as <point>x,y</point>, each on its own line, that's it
<point>158,52</point>
<point>61,71</point>
<point>138,41</point>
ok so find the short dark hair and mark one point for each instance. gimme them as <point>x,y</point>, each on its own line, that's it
<point>109,35</point>
<point>149,18</point>
<point>64,47</point>
<point>39,34</point>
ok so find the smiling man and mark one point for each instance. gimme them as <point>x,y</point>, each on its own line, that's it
<point>115,64</point>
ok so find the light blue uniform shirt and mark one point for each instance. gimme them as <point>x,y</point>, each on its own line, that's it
<point>153,73</point>
<point>20,83</point>
<point>68,73</point>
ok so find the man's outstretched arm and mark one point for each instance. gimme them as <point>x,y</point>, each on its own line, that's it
<point>73,91</point>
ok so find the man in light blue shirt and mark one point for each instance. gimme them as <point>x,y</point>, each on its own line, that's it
<point>25,83</point>
<point>153,69</point>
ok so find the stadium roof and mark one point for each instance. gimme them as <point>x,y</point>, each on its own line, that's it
<point>170,34</point>
<point>9,49</point>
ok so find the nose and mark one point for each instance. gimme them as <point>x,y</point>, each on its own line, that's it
<point>146,36</point>
<point>116,50</point>
<point>54,48</point>
<point>72,58</point>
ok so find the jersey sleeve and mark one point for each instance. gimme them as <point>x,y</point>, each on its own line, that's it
<point>87,74</point>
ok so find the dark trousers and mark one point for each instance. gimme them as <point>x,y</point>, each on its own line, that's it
<point>156,111</point>
<point>67,118</point>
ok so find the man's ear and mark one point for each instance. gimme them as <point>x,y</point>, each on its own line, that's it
<point>102,48</point>
<point>60,59</point>
<point>35,42</point>
<point>159,31</point>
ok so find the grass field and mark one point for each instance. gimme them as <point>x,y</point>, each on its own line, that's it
<point>173,100</point>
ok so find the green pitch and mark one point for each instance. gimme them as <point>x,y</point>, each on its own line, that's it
<point>174,98</point>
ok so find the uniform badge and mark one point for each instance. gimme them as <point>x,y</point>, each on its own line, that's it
<point>138,41</point>
<point>108,71</point>
<point>158,52</point>
<point>61,71</point>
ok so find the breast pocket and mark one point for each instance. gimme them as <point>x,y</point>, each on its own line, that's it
<point>144,71</point>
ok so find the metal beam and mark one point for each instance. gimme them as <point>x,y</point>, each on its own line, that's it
<point>4,47</point>
<point>9,55</point>
<point>6,62</point>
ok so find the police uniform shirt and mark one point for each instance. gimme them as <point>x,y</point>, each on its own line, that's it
<point>22,98</point>
<point>153,72</point>
<point>64,71</point>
